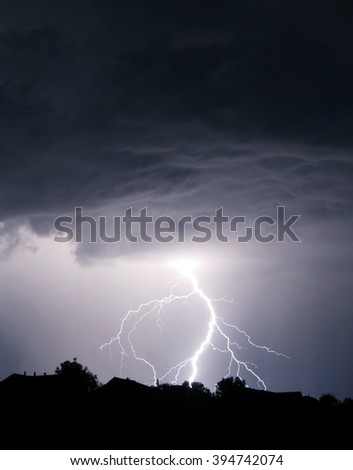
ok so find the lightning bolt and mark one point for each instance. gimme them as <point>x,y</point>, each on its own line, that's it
<point>216,330</point>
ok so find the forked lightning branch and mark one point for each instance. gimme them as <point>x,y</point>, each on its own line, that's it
<point>218,332</point>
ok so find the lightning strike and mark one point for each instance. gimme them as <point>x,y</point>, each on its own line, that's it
<point>216,331</point>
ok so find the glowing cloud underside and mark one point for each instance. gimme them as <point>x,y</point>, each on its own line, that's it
<point>217,328</point>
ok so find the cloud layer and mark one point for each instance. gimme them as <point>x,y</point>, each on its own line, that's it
<point>152,103</point>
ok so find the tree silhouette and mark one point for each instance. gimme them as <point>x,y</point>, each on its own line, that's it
<point>347,404</point>
<point>197,386</point>
<point>80,377</point>
<point>227,387</point>
<point>165,386</point>
<point>329,399</point>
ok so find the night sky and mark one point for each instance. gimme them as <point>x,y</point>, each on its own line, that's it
<point>181,107</point>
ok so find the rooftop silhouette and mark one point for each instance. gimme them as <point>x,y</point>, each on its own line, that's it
<point>55,411</point>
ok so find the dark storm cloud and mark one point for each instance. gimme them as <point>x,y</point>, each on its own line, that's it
<point>148,101</point>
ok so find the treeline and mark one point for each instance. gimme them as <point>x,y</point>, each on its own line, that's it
<point>71,409</point>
